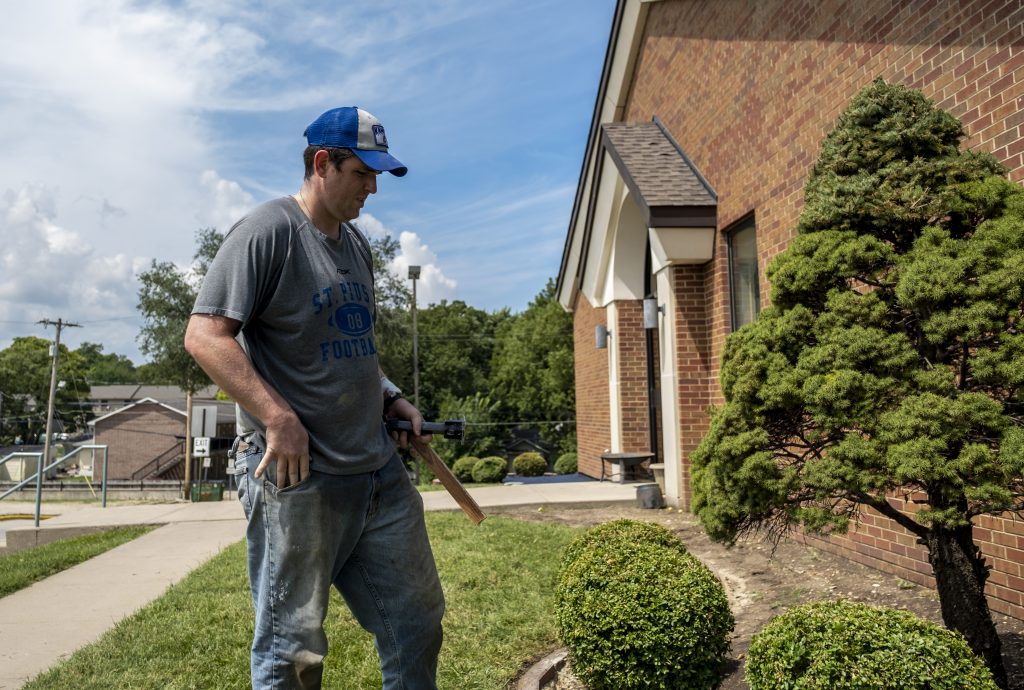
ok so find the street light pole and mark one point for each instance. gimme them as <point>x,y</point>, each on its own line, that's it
<point>414,274</point>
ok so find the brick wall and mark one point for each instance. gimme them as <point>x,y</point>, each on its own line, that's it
<point>593,416</point>
<point>630,342</point>
<point>138,435</point>
<point>877,542</point>
<point>693,363</point>
<point>749,89</point>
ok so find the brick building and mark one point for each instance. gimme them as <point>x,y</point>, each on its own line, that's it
<point>146,438</point>
<point>709,116</point>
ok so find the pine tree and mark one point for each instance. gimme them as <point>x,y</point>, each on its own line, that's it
<point>890,364</point>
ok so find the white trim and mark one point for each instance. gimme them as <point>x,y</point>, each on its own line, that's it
<point>627,279</point>
<point>615,264</point>
<point>669,384</point>
<point>598,264</point>
<point>611,108</point>
<point>128,407</point>
<point>670,246</point>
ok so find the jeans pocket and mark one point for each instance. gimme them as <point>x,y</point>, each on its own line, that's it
<point>298,485</point>
<point>245,464</point>
<point>270,479</point>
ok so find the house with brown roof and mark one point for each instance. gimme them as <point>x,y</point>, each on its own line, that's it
<point>145,439</point>
<point>709,116</point>
<point>106,398</point>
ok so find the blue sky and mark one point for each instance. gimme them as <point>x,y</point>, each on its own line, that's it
<point>126,126</point>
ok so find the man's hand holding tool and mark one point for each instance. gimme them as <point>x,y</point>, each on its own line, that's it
<point>452,430</point>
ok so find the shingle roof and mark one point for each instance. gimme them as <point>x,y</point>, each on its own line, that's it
<point>655,168</point>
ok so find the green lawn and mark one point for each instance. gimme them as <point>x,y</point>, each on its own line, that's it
<point>498,579</point>
<point>22,568</point>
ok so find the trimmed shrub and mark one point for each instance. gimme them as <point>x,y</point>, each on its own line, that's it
<point>637,611</point>
<point>566,464</point>
<point>463,468</point>
<point>842,645</point>
<point>530,464</point>
<point>491,469</point>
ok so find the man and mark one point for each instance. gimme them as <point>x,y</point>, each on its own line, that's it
<point>284,324</point>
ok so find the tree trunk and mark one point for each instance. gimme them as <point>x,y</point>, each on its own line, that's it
<point>960,574</point>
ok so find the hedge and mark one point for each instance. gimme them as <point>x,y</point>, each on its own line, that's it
<point>843,645</point>
<point>637,611</point>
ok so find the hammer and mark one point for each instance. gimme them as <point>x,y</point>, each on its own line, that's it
<point>453,429</point>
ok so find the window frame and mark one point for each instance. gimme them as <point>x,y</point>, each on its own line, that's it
<point>747,222</point>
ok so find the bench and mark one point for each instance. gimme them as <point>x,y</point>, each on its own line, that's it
<point>625,461</point>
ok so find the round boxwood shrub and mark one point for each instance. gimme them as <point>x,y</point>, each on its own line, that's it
<point>566,464</point>
<point>530,464</point>
<point>842,645</point>
<point>636,610</point>
<point>491,469</point>
<point>463,468</point>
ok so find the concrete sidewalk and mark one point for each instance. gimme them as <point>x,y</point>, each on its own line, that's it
<point>39,626</point>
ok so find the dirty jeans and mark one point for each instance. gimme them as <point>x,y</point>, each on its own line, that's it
<point>364,534</point>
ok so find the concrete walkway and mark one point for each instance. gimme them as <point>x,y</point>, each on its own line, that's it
<point>38,626</point>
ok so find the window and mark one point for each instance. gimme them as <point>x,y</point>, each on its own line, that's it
<point>743,280</point>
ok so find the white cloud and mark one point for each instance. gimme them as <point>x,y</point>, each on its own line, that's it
<point>433,285</point>
<point>372,227</point>
<point>128,125</point>
<point>225,201</point>
<point>49,271</point>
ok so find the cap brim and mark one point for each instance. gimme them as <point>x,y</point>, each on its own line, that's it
<point>381,160</point>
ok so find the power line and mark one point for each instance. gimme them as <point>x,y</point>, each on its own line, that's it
<point>112,318</point>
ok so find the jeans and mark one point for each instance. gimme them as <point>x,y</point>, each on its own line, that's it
<point>365,535</point>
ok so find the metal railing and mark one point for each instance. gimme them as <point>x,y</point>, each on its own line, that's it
<point>159,463</point>
<point>41,471</point>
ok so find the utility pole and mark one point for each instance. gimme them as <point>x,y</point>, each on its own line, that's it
<point>49,407</point>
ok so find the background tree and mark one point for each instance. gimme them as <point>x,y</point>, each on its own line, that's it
<point>166,298</point>
<point>148,372</point>
<point>532,370</point>
<point>455,346</point>
<point>25,368</point>
<point>101,368</point>
<point>393,327</point>
<point>485,435</point>
<point>891,363</point>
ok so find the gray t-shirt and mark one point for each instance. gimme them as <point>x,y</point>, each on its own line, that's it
<point>306,303</point>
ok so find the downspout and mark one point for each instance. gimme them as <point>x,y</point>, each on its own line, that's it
<point>652,405</point>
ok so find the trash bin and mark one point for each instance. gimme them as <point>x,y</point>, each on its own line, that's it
<point>208,491</point>
<point>649,496</point>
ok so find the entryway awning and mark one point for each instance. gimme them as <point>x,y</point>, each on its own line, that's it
<point>678,206</point>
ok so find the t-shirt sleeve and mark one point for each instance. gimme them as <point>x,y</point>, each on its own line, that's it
<point>243,275</point>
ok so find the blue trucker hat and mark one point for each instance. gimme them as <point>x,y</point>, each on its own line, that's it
<point>354,128</point>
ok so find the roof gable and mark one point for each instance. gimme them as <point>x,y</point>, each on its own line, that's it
<point>634,179</point>
<point>136,404</point>
<point>663,180</point>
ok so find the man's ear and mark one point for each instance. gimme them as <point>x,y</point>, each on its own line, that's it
<point>321,159</point>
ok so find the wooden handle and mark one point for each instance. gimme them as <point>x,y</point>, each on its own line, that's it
<point>450,482</point>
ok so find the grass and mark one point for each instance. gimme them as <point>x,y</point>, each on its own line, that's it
<point>499,581</point>
<point>22,568</point>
